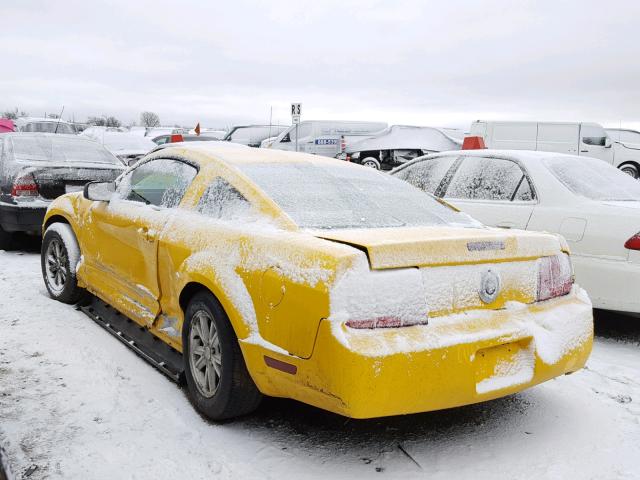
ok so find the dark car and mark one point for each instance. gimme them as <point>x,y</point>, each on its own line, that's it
<point>399,144</point>
<point>36,168</point>
<point>180,137</point>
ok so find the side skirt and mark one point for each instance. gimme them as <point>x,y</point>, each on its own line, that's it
<point>137,338</point>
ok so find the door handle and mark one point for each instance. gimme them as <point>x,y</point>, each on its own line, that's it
<point>584,151</point>
<point>506,225</point>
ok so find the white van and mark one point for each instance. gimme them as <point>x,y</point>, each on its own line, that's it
<point>324,137</point>
<point>586,139</point>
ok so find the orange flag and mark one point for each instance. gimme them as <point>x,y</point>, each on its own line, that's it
<point>197,129</point>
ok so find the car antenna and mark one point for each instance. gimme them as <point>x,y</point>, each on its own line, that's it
<point>59,118</point>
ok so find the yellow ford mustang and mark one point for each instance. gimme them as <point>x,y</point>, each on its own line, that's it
<point>292,275</point>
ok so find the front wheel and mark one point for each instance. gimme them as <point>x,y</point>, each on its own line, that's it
<point>218,382</point>
<point>630,169</point>
<point>59,258</point>
<point>371,162</point>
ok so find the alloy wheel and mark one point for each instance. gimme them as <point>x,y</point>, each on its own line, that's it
<point>205,355</point>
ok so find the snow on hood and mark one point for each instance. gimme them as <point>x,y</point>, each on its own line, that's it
<point>407,137</point>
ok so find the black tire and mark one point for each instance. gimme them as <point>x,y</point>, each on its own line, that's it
<point>630,169</point>
<point>235,394</point>
<point>6,239</point>
<point>60,237</point>
<point>371,162</point>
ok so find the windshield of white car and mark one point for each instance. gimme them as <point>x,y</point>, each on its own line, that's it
<point>54,148</point>
<point>594,179</point>
<point>345,196</point>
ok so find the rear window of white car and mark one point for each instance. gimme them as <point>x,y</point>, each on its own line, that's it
<point>56,149</point>
<point>49,127</point>
<point>346,196</point>
<point>594,179</point>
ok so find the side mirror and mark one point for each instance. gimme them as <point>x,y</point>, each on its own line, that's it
<point>607,143</point>
<point>99,191</point>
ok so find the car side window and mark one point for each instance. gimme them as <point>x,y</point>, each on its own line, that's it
<point>427,174</point>
<point>593,135</point>
<point>524,193</point>
<point>486,178</point>
<point>222,200</point>
<point>161,182</point>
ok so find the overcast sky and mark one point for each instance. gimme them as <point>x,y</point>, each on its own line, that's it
<point>440,63</point>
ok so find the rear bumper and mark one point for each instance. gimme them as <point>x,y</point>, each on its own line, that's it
<point>22,218</point>
<point>612,284</point>
<point>453,361</point>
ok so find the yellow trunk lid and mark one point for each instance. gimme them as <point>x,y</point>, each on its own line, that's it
<point>446,245</point>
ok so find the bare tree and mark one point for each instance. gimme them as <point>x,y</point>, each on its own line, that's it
<point>104,121</point>
<point>14,114</point>
<point>149,119</point>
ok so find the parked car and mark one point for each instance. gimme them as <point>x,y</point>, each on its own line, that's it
<point>183,137</point>
<point>325,137</point>
<point>627,148</point>
<point>593,205</point>
<point>259,271</point>
<point>399,144</point>
<point>153,132</point>
<point>574,138</point>
<point>252,135</point>
<point>128,147</point>
<point>211,132</point>
<point>44,125</point>
<point>36,168</point>
<point>6,125</point>
<point>204,144</point>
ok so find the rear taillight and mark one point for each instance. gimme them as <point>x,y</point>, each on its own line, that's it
<point>24,186</point>
<point>343,144</point>
<point>176,138</point>
<point>384,322</point>
<point>555,276</point>
<point>633,243</point>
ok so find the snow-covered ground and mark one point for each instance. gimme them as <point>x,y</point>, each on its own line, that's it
<point>76,404</point>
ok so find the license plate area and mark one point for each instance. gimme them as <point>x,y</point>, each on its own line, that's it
<point>504,366</point>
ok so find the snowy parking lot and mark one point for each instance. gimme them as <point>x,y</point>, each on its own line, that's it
<point>75,403</point>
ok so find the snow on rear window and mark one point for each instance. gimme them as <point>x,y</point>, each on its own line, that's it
<point>344,196</point>
<point>485,178</point>
<point>60,149</point>
<point>49,127</point>
<point>594,179</point>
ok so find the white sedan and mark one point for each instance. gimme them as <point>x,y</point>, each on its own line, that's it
<point>593,205</point>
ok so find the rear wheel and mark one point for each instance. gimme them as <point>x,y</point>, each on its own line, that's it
<point>218,382</point>
<point>631,169</point>
<point>5,239</point>
<point>371,163</point>
<point>59,258</point>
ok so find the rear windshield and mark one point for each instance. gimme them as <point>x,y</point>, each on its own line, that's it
<point>594,179</point>
<point>49,127</point>
<point>345,196</point>
<point>60,149</point>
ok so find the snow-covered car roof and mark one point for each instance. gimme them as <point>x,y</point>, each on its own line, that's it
<point>406,137</point>
<point>121,143</point>
<point>25,120</point>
